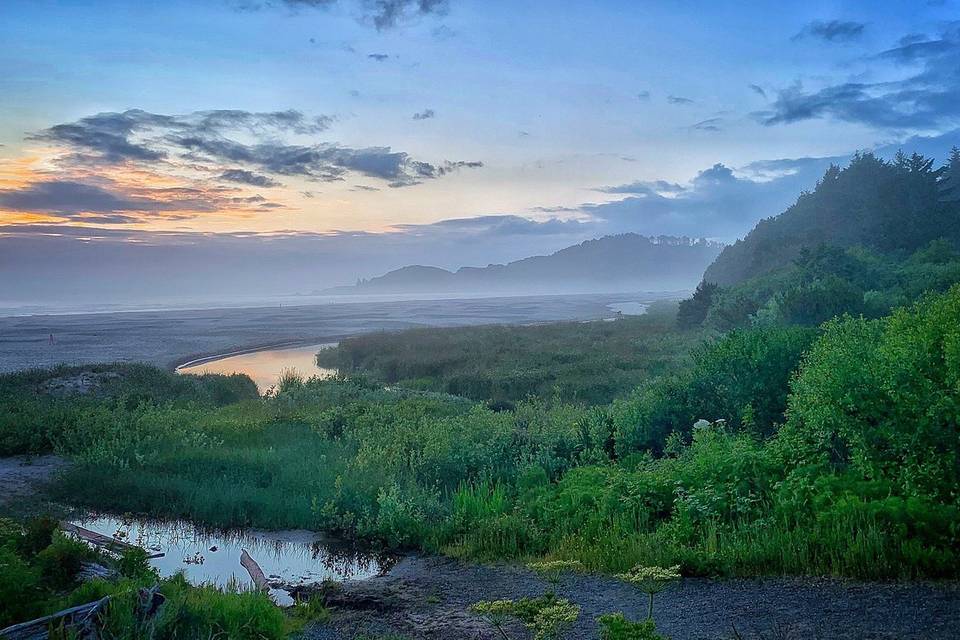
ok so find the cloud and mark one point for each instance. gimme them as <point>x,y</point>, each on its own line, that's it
<point>426,114</point>
<point>710,124</point>
<point>249,177</point>
<point>926,99</point>
<point>382,14</point>
<point>219,143</point>
<point>108,135</point>
<point>322,162</point>
<point>718,202</point>
<point>106,202</point>
<point>121,136</point>
<point>379,57</point>
<point>831,30</point>
<point>679,100</point>
<point>387,14</point>
<point>757,89</point>
<point>640,187</point>
<point>67,199</point>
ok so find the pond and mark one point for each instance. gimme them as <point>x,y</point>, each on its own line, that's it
<point>264,367</point>
<point>289,557</point>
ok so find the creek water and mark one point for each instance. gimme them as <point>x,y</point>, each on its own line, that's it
<point>629,308</point>
<point>289,557</point>
<point>265,367</point>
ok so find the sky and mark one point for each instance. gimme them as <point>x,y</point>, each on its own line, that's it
<point>186,148</point>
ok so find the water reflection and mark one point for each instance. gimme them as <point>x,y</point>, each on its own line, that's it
<point>286,557</point>
<point>264,367</point>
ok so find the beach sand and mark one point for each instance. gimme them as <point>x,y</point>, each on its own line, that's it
<point>170,338</point>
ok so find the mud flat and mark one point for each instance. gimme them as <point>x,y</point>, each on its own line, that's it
<point>170,338</point>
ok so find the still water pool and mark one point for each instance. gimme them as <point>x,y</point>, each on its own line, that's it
<point>289,557</point>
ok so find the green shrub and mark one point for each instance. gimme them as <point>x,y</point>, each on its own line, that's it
<point>61,561</point>
<point>21,593</point>
<point>615,626</point>
<point>134,563</point>
<point>38,534</point>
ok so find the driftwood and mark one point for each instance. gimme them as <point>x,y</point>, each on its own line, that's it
<point>95,571</point>
<point>256,573</point>
<point>101,541</point>
<point>82,622</point>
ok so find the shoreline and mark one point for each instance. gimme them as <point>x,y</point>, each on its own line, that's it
<point>173,339</point>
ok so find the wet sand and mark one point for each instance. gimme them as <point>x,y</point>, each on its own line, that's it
<point>170,338</point>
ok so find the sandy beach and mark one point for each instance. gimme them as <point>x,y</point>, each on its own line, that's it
<point>170,338</point>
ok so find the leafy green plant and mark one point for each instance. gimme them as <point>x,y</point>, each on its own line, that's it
<point>134,563</point>
<point>615,626</point>
<point>547,617</point>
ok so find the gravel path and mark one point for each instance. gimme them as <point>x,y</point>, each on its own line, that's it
<point>427,597</point>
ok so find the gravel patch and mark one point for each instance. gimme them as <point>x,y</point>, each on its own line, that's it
<point>428,597</point>
<point>20,476</point>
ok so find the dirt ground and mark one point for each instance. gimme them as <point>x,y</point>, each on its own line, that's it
<point>20,476</point>
<point>428,597</point>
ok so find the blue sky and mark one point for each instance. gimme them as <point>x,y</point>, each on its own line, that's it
<point>531,124</point>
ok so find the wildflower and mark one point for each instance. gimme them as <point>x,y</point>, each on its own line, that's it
<point>651,580</point>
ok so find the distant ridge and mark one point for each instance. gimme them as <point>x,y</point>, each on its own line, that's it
<point>626,262</point>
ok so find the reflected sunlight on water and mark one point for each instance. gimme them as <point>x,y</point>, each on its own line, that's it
<point>264,367</point>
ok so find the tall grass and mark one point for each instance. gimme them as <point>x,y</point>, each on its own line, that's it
<point>591,362</point>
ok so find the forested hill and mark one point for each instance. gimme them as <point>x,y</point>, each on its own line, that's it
<point>627,262</point>
<point>887,207</point>
<point>871,237</point>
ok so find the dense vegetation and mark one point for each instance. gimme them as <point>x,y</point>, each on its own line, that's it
<point>887,207</point>
<point>586,362</point>
<point>41,406</point>
<point>692,469</point>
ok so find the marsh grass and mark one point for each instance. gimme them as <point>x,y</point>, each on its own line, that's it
<point>590,362</point>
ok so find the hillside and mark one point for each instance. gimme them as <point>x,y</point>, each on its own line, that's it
<point>612,263</point>
<point>871,237</point>
<point>887,207</point>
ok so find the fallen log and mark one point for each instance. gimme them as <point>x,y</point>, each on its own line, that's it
<point>256,573</point>
<point>107,543</point>
<point>84,622</point>
<point>81,621</point>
